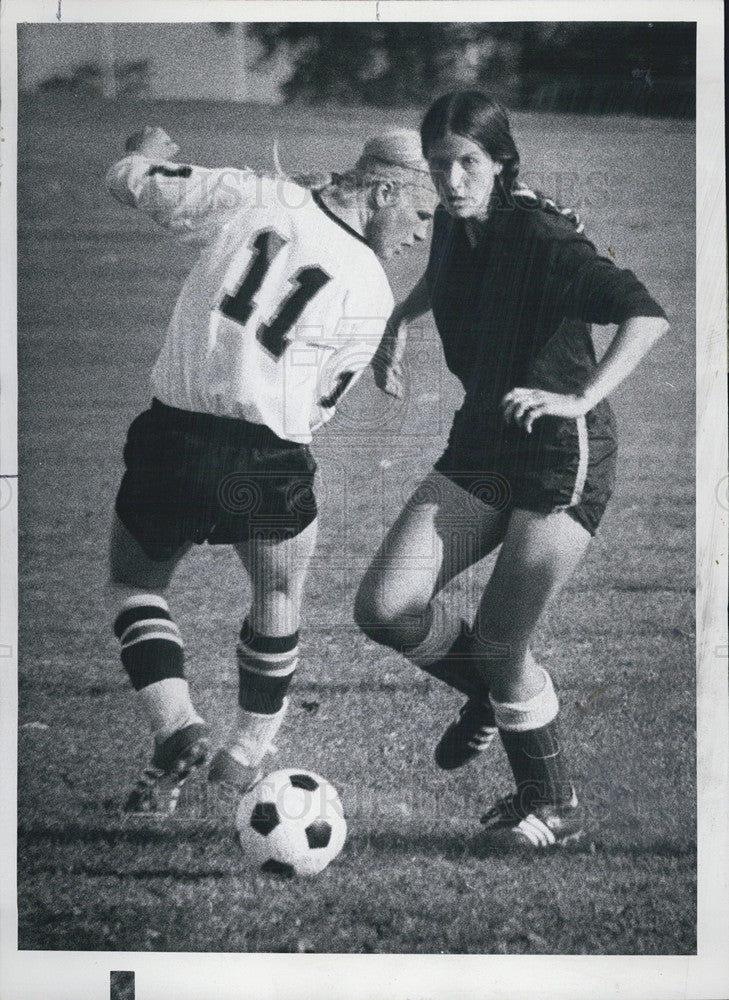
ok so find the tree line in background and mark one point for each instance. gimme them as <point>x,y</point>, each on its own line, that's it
<point>556,66</point>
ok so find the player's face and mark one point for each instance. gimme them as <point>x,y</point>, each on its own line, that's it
<point>464,176</point>
<point>402,220</point>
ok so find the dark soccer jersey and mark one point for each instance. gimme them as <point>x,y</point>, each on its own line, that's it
<point>516,309</point>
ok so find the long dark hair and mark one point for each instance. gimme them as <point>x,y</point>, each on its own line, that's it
<point>477,116</point>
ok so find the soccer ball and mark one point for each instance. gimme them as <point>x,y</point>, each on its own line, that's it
<point>291,823</point>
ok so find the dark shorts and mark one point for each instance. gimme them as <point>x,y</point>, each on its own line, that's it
<point>562,465</point>
<point>193,477</point>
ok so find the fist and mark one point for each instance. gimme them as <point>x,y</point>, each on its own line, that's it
<point>387,362</point>
<point>152,142</point>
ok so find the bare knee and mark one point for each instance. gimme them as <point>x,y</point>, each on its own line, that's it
<point>385,620</point>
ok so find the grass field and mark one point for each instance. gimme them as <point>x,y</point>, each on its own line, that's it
<point>96,286</point>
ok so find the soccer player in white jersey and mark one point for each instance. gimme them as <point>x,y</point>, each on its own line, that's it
<point>282,312</point>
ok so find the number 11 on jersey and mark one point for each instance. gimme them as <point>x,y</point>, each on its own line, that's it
<point>307,281</point>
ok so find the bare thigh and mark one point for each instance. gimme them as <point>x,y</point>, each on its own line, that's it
<point>441,532</point>
<point>277,570</point>
<point>130,566</point>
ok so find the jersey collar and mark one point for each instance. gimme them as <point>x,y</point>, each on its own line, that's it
<point>496,225</point>
<point>316,195</point>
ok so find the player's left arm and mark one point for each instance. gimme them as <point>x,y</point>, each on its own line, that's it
<point>633,339</point>
<point>187,199</point>
<point>594,290</point>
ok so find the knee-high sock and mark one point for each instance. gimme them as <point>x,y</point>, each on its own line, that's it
<point>530,737</point>
<point>152,655</point>
<point>266,666</point>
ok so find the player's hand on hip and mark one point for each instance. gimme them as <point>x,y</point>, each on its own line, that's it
<point>387,362</point>
<point>523,406</point>
<point>152,142</point>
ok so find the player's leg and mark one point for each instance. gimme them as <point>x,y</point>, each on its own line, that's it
<point>150,640</point>
<point>267,651</point>
<point>152,655</point>
<point>442,531</point>
<point>163,504</point>
<point>538,555</point>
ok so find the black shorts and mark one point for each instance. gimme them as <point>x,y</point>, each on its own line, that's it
<point>194,477</point>
<point>563,464</point>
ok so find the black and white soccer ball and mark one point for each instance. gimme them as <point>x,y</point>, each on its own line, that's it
<point>291,823</point>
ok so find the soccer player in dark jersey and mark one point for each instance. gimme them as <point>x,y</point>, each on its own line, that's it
<point>530,462</point>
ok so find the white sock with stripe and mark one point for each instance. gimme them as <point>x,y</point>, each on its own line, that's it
<point>266,666</point>
<point>152,654</point>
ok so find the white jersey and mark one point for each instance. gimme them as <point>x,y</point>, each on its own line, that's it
<point>284,308</point>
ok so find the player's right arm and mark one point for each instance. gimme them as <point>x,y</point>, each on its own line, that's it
<point>189,200</point>
<point>387,362</point>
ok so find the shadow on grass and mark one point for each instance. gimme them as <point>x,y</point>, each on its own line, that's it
<point>410,682</point>
<point>134,832</point>
<point>454,846</point>
<point>414,845</point>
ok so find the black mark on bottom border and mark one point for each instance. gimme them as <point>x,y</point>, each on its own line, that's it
<point>121,986</point>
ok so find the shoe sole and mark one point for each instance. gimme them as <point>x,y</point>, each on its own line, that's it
<point>190,760</point>
<point>525,847</point>
<point>571,839</point>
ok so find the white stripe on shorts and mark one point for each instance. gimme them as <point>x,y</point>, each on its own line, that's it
<point>583,444</point>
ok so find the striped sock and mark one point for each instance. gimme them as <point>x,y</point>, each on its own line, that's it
<point>529,733</point>
<point>152,654</point>
<point>266,666</point>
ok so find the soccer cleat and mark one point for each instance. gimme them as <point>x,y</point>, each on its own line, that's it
<point>468,736</point>
<point>510,825</point>
<point>158,788</point>
<point>228,772</point>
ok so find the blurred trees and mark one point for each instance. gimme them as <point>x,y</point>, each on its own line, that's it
<point>131,79</point>
<point>559,66</point>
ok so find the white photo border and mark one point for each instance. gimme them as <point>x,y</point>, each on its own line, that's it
<point>51,975</point>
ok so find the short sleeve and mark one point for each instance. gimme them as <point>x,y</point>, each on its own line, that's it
<point>591,288</point>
